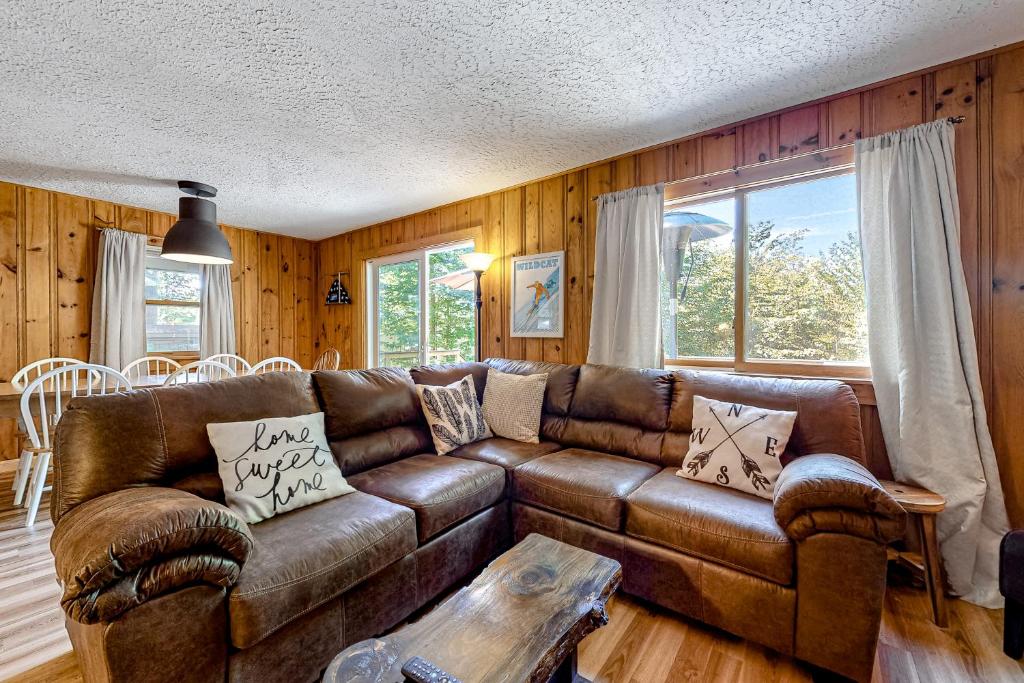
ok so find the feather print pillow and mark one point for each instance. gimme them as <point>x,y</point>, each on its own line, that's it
<point>737,446</point>
<point>453,414</point>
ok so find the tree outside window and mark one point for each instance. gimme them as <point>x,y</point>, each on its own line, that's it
<point>803,287</point>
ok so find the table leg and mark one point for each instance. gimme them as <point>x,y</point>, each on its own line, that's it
<point>566,671</point>
<point>933,568</point>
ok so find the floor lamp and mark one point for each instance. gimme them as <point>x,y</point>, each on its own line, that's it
<point>478,262</point>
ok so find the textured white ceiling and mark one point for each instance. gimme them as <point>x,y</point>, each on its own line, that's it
<point>316,117</point>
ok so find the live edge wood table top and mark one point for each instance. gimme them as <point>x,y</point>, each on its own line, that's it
<point>520,620</point>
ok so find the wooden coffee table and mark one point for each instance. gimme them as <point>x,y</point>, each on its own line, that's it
<point>520,620</point>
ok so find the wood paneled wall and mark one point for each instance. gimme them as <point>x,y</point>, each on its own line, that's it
<point>48,243</point>
<point>557,213</point>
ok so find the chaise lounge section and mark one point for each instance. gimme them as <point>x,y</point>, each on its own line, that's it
<point>163,582</point>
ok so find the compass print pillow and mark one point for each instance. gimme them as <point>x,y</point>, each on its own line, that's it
<point>736,445</point>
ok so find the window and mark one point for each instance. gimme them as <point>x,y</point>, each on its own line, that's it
<point>790,298</point>
<point>172,305</point>
<point>421,307</point>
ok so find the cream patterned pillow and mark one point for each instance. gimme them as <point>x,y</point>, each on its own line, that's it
<point>453,414</point>
<point>513,404</point>
<point>737,446</point>
<point>275,465</point>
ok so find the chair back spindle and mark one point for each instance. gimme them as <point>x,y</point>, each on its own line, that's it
<point>48,394</point>
<point>199,371</point>
<point>275,364</point>
<point>23,377</point>
<point>240,365</point>
<point>328,360</point>
<point>149,366</point>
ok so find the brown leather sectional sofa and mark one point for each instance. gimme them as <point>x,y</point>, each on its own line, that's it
<point>163,583</point>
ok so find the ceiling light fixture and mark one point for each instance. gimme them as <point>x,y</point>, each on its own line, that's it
<point>195,238</point>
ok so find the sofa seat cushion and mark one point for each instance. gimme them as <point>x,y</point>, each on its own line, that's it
<point>587,485</point>
<point>505,452</point>
<point>441,490</point>
<point>712,522</point>
<point>304,558</point>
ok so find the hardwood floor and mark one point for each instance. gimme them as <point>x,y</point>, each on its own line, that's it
<point>640,644</point>
<point>31,622</point>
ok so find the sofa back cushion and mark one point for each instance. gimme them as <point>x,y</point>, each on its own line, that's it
<point>558,392</point>
<point>158,436</point>
<point>443,375</point>
<point>828,413</point>
<point>622,411</point>
<point>372,417</point>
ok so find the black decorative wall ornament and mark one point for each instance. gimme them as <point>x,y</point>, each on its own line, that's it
<point>337,294</point>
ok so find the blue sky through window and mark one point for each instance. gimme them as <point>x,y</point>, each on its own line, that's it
<point>826,207</point>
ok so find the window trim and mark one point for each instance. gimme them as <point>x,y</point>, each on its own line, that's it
<point>180,355</point>
<point>736,184</point>
<point>421,255</point>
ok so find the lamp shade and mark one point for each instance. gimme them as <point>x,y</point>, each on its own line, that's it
<point>477,261</point>
<point>195,238</point>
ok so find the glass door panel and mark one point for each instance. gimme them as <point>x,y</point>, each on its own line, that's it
<point>398,317</point>
<point>421,308</point>
<point>452,289</point>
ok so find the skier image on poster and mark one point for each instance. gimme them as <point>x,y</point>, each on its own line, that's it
<point>537,295</point>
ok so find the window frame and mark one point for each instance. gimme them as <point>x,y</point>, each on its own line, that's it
<point>186,356</point>
<point>736,184</point>
<point>422,257</point>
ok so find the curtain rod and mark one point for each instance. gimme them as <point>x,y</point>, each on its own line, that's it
<point>951,119</point>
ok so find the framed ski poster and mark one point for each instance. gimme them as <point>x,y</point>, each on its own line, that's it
<point>538,301</point>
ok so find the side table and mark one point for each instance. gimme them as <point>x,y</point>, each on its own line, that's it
<point>924,505</point>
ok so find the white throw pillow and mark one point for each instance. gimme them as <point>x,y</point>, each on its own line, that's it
<point>275,465</point>
<point>737,446</point>
<point>513,404</point>
<point>453,414</point>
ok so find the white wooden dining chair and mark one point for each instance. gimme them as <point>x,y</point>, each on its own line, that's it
<point>240,365</point>
<point>149,366</point>
<point>198,372</point>
<point>275,364</point>
<point>328,360</point>
<point>21,379</point>
<point>42,404</point>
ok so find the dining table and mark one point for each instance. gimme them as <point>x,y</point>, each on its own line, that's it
<point>10,397</point>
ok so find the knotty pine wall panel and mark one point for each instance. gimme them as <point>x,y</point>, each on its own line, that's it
<point>48,247</point>
<point>557,213</point>
<point>1005,310</point>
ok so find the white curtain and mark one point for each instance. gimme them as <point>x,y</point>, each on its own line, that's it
<point>625,323</point>
<point>217,312</point>
<point>924,361</point>
<point>119,300</point>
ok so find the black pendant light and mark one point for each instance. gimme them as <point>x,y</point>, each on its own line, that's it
<point>195,238</point>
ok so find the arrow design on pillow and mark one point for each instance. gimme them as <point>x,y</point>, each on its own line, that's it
<point>701,459</point>
<point>750,468</point>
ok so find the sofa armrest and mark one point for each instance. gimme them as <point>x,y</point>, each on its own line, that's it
<point>117,551</point>
<point>1011,565</point>
<point>832,493</point>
